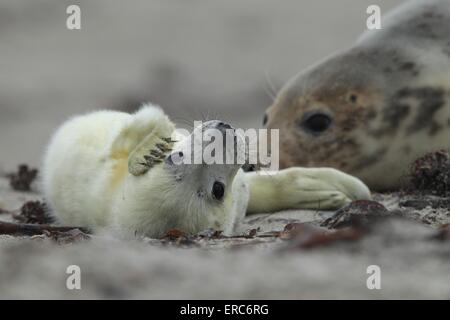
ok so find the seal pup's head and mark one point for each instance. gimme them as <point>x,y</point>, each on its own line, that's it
<point>206,161</point>
<point>191,189</point>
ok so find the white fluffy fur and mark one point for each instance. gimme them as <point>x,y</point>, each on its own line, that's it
<point>87,183</point>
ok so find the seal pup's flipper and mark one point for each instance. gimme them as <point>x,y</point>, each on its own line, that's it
<point>145,140</point>
<point>303,188</point>
<point>152,150</point>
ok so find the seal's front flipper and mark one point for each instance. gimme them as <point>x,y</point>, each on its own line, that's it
<point>151,151</point>
<point>143,140</point>
<point>303,188</point>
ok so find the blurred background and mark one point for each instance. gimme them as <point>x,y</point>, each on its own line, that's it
<point>196,58</point>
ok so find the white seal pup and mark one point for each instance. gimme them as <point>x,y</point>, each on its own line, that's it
<point>111,169</point>
<point>374,108</point>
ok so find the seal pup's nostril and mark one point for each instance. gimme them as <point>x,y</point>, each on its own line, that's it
<point>223,126</point>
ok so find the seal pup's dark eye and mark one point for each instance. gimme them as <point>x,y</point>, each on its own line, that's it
<point>218,190</point>
<point>316,122</point>
<point>175,158</point>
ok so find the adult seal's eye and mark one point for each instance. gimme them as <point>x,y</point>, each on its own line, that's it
<point>218,190</point>
<point>316,122</point>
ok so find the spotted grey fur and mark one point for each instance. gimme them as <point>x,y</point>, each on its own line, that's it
<point>389,94</point>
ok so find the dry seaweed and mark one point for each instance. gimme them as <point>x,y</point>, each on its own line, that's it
<point>22,179</point>
<point>67,237</point>
<point>319,239</point>
<point>430,174</point>
<point>33,212</point>
<point>307,236</point>
<point>210,234</point>
<point>420,204</point>
<point>360,213</point>
<point>178,238</point>
<point>25,229</point>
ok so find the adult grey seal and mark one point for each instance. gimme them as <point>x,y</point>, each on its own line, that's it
<point>375,107</point>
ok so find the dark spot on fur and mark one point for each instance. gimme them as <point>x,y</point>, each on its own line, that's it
<point>392,117</point>
<point>371,159</point>
<point>396,114</point>
<point>372,114</point>
<point>425,30</point>
<point>407,66</point>
<point>434,128</point>
<point>430,100</point>
<point>433,15</point>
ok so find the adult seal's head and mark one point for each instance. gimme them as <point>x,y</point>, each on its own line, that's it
<point>372,109</point>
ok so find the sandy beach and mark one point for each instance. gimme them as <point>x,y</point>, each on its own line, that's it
<point>198,59</point>
<point>263,262</point>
